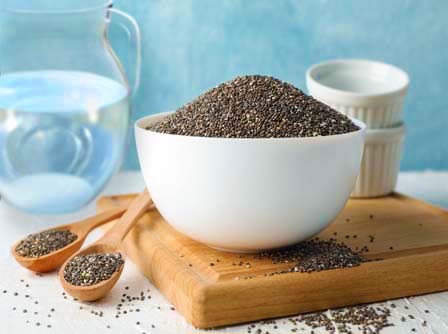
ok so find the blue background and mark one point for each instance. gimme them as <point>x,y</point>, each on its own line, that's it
<point>192,45</point>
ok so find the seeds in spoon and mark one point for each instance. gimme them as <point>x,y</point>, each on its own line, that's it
<point>87,270</point>
<point>43,243</point>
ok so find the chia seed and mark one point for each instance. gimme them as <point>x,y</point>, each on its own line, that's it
<point>43,243</point>
<point>255,107</point>
<point>87,270</point>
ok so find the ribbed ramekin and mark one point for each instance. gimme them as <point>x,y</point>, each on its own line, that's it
<point>381,162</point>
<point>370,91</point>
<point>376,116</point>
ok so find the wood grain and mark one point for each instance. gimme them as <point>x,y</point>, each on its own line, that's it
<point>410,236</point>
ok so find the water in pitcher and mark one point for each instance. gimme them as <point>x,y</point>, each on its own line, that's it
<point>61,133</point>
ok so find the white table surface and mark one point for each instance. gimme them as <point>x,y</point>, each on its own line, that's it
<point>68,318</point>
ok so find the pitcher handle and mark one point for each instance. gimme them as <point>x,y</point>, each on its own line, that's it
<point>130,25</point>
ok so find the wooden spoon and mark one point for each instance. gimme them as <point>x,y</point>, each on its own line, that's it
<point>55,259</point>
<point>109,243</point>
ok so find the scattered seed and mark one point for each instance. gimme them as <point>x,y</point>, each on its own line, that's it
<point>367,318</point>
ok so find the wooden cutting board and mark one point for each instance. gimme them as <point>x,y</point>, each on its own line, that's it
<point>410,236</point>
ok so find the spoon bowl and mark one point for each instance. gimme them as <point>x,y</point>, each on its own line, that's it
<point>54,260</point>
<point>92,292</point>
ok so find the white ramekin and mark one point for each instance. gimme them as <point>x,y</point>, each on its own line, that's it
<point>370,91</point>
<point>381,162</point>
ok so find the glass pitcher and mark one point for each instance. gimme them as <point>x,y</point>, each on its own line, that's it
<point>65,101</point>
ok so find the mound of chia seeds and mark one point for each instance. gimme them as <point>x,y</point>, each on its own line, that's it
<point>40,244</point>
<point>91,269</point>
<point>314,255</point>
<point>255,107</point>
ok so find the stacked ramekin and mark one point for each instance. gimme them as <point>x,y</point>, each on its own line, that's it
<point>372,92</point>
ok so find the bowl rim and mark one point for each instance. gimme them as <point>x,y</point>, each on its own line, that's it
<point>142,122</point>
<point>401,88</point>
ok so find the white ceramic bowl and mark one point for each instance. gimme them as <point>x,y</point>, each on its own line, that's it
<point>248,194</point>
<point>370,91</point>
<point>381,162</point>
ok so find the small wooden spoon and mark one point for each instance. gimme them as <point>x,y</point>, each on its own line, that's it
<point>55,259</point>
<point>109,243</point>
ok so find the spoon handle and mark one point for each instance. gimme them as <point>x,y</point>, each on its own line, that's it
<point>90,223</point>
<point>135,210</point>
